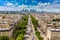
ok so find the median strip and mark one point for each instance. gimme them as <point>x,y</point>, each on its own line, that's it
<point>35,23</point>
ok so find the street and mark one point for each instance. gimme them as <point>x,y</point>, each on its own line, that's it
<point>30,32</point>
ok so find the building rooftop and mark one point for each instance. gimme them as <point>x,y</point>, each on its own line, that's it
<point>54,29</point>
<point>6,29</point>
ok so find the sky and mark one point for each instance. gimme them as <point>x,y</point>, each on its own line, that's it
<point>14,5</point>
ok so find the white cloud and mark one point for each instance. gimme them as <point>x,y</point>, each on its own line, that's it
<point>43,4</point>
<point>23,6</point>
<point>12,7</point>
<point>7,8</point>
<point>10,4</point>
<point>56,0</point>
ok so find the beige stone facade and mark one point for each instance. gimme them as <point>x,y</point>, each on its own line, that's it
<point>53,34</point>
<point>8,33</point>
<point>8,23</point>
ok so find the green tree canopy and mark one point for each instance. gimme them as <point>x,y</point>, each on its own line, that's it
<point>20,37</point>
<point>4,38</point>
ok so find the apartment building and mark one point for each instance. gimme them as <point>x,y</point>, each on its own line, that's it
<point>8,23</point>
<point>5,28</point>
<point>53,34</point>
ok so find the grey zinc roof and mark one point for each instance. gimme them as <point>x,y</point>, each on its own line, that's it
<point>54,29</point>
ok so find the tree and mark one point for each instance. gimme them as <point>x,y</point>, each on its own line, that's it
<point>20,37</point>
<point>4,38</point>
<point>56,19</point>
<point>16,33</point>
<point>35,23</point>
<point>21,29</point>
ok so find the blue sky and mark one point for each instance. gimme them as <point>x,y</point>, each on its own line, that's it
<point>29,4</point>
<point>25,2</point>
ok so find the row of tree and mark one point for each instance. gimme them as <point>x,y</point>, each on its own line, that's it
<point>56,19</point>
<point>35,23</point>
<point>4,38</point>
<point>21,29</point>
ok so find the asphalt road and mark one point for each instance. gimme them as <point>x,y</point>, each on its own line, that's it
<point>30,32</point>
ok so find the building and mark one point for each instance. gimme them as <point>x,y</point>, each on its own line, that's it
<point>5,28</point>
<point>53,34</point>
<point>8,23</point>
